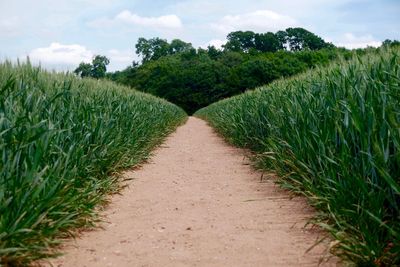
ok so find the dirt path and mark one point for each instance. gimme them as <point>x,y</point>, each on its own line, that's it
<point>198,203</point>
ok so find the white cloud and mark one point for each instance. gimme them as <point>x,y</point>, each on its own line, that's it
<point>59,54</point>
<point>215,42</point>
<point>351,41</point>
<point>67,57</point>
<point>120,59</point>
<point>167,21</point>
<point>260,20</point>
<point>129,18</point>
<point>125,56</point>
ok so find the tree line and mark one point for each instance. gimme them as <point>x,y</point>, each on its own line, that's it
<point>194,78</point>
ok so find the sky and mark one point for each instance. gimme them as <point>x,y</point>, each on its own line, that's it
<point>60,34</point>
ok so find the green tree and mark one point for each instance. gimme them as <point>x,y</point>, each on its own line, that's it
<point>96,70</point>
<point>143,49</point>
<point>256,72</point>
<point>390,43</point>
<point>99,66</point>
<point>155,48</point>
<point>178,46</point>
<point>160,48</point>
<point>194,78</point>
<point>240,41</point>
<point>84,69</point>
<point>267,42</point>
<point>282,37</point>
<point>152,49</point>
<point>213,52</point>
<point>301,39</point>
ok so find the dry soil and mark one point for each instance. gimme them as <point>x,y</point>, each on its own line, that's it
<point>198,202</point>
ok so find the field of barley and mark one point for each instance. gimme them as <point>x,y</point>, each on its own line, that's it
<point>63,141</point>
<point>333,135</point>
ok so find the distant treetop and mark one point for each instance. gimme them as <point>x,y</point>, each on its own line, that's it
<point>96,70</point>
<point>293,39</point>
<point>153,49</point>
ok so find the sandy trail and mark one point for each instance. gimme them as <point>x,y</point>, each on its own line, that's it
<point>198,203</point>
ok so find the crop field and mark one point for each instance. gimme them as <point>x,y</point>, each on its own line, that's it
<point>333,135</point>
<point>62,142</point>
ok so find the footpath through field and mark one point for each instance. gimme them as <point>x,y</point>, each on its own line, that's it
<point>199,203</point>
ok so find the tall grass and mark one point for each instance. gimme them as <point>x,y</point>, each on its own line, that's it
<point>61,141</point>
<point>332,134</point>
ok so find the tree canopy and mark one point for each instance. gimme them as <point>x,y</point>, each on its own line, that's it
<point>96,70</point>
<point>194,78</point>
<point>153,49</point>
<point>300,39</point>
<point>293,39</point>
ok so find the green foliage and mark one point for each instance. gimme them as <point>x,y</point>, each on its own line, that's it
<point>170,77</point>
<point>194,78</point>
<point>240,41</point>
<point>152,49</point>
<point>179,46</point>
<point>62,141</point>
<point>99,66</point>
<point>96,70</point>
<point>333,135</point>
<point>267,42</point>
<point>156,48</point>
<point>391,43</point>
<point>300,39</point>
<point>293,39</point>
<point>84,70</point>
